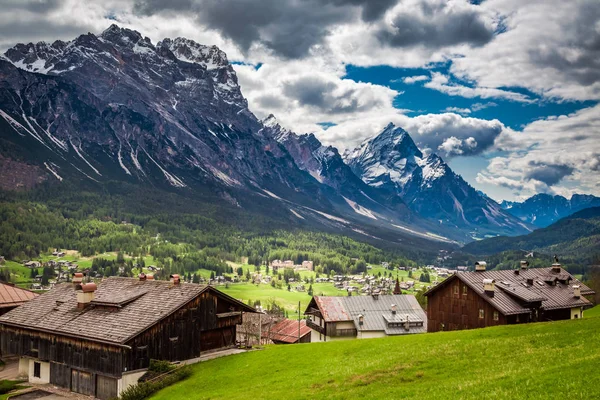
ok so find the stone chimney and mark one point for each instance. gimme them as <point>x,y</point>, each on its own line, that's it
<point>407,324</point>
<point>576,291</point>
<point>556,268</point>
<point>142,276</point>
<point>480,266</point>
<point>361,320</point>
<point>393,309</point>
<point>77,279</point>
<point>524,264</point>
<point>489,287</point>
<point>85,295</point>
<point>175,279</point>
<point>149,277</point>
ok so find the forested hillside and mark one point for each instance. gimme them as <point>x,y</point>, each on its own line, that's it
<point>575,238</point>
<point>181,233</point>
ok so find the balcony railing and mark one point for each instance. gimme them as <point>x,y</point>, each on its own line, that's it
<point>314,326</point>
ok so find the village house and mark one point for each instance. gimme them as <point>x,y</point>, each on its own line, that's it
<point>98,341</point>
<point>288,331</point>
<point>481,298</point>
<point>307,265</point>
<point>2,260</point>
<point>363,317</point>
<point>12,297</point>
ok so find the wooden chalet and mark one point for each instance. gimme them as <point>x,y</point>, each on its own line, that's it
<point>288,331</point>
<point>97,341</point>
<point>12,297</point>
<point>478,299</point>
<point>364,317</point>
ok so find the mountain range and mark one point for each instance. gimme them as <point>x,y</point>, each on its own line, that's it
<point>116,107</point>
<point>544,209</point>
<point>575,237</point>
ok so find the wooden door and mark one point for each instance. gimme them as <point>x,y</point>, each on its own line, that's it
<point>106,388</point>
<point>82,382</point>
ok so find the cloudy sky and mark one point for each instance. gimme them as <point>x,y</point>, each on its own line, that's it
<point>506,91</point>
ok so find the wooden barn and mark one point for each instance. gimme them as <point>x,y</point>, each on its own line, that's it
<point>99,340</point>
<point>478,299</point>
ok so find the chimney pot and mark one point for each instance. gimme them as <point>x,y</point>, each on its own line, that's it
<point>480,266</point>
<point>85,294</point>
<point>150,277</point>
<point>142,276</point>
<point>393,309</point>
<point>489,287</point>
<point>556,268</point>
<point>407,324</point>
<point>524,264</point>
<point>576,291</point>
<point>175,279</point>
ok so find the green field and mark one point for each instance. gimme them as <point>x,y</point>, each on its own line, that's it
<point>557,360</point>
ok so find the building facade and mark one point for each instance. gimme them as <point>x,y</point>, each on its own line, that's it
<point>364,317</point>
<point>468,300</point>
<point>99,340</point>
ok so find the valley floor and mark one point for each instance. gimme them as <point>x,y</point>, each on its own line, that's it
<point>555,360</point>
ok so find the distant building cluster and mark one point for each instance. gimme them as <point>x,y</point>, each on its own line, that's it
<point>306,265</point>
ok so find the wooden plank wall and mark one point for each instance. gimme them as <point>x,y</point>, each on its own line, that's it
<point>447,310</point>
<point>77,353</point>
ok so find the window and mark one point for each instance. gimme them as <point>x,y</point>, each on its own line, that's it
<point>37,370</point>
<point>465,290</point>
<point>456,289</point>
<point>495,315</point>
<point>481,314</point>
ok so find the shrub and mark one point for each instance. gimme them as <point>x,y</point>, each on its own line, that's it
<point>145,389</point>
<point>160,366</point>
<point>8,386</point>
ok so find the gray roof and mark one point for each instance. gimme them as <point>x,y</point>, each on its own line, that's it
<point>134,306</point>
<point>376,312</point>
<point>513,293</point>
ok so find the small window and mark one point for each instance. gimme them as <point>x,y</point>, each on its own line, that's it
<point>481,314</point>
<point>495,315</point>
<point>456,289</point>
<point>464,290</point>
<point>37,370</point>
<point>576,316</point>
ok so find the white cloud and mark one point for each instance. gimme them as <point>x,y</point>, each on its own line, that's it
<point>458,110</point>
<point>556,155</point>
<point>441,82</point>
<point>409,80</point>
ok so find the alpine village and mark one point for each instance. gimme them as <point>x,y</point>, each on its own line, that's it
<point>159,240</point>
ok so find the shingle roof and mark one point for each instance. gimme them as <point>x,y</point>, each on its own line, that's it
<point>514,292</point>
<point>12,296</point>
<point>139,305</point>
<point>286,330</point>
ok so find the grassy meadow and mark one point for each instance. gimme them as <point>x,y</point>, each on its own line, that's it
<point>556,360</point>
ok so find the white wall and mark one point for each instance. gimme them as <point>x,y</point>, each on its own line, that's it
<point>24,367</point>
<point>370,334</point>
<point>129,379</point>
<point>576,311</point>
<point>44,372</point>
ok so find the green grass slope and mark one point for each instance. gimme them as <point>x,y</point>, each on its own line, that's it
<point>576,236</point>
<point>536,361</point>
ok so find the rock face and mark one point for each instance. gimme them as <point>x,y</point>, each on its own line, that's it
<point>427,185</point>
<point>117,106</point>
<point>544,209</point>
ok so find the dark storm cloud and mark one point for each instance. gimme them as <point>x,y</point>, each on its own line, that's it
<point>550,174</point>
<point>438,25</point>
<point>288,27</point>
<point>328,96</point>
<point>582,62</point>
<point>34,6</point>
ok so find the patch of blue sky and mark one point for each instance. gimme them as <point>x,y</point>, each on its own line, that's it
<point>422,100</point>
